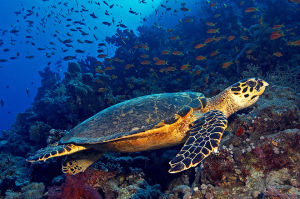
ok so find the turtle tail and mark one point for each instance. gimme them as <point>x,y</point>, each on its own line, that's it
<point>55,151</point>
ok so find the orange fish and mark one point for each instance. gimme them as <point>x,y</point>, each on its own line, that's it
<point>185,9</point>
<point>176,52</point>
<point>145,46</point>
<point>198,72</point>
<point>118,60</point>
<point>214,53</point>
<point>213,4</point>
<point>226,64</point>
<point>101,55</point>
<point>188,20</point>
<point>231,37</point>
<point>165,52</point>
<point>174,38</point>
<point>278,54</point>
<point>260,21</point>
<point>244,38</point>
<point>109,68</point>
<point>184,66</point>
<point>218,38</point>
<point>199,46</point>
<point>101,90</point>
<point>276,34</point>
<point>251,9</point>
<point>170,68</point>
<point>144,56</point>
<point>160,62</point>
<point>200,57</point>
<point>108,59</point>
<point>278,26</point>
<point>210,24</point>
<point>206,79</point>
<point>128,66</point>
<point>145,62</point>
<point>98,70</point>
<point>162,70</point>
<point>212,30</point>
<point>208,40</point>
<point>294,43</point>
<point>155,58</point>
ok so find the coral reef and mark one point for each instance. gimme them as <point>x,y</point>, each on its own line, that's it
<point>30,191</point>
<point>38,132</point>
<point>255,171</point>
<point>133,187</point>
<point>257,157</point>
<point>14,172</point>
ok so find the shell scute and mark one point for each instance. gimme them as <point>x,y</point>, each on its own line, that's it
<point>132,117</point>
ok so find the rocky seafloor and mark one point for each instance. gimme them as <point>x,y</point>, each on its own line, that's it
<point>258,156</point>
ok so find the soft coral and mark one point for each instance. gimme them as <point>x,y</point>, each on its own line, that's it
<point>75,187</point>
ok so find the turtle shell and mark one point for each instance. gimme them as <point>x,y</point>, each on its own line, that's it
<point>132,116</point>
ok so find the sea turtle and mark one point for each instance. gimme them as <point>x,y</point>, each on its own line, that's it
<point>153,122</point>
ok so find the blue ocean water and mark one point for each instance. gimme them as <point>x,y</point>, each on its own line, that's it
<point>39,21</point>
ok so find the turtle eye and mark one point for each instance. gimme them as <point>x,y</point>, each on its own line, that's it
<point>259,85</point>
<point>251,83</point>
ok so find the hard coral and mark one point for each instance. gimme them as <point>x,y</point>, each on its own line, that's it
<point>33,190</point>
<point>96,178</point>
<point>13,173</point>
<point>55,135</point>
<point>38,132</point>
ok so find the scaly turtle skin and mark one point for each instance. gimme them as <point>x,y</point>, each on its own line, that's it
<point>153,122</point>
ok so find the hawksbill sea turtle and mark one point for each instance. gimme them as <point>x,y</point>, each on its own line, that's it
<point>152,122</point>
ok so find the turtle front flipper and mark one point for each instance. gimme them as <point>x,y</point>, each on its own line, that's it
<point>55,151</point>
<point>79,162</point>
<point>205,135</point>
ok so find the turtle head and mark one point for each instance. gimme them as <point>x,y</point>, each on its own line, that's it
<point>247,91</point>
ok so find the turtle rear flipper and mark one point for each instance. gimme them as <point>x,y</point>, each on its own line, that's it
<point>205,136</point>
<point>55,151</point>
<point>79,162</point>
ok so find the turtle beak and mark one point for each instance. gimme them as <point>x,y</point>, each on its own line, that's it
<point>264,83</point>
